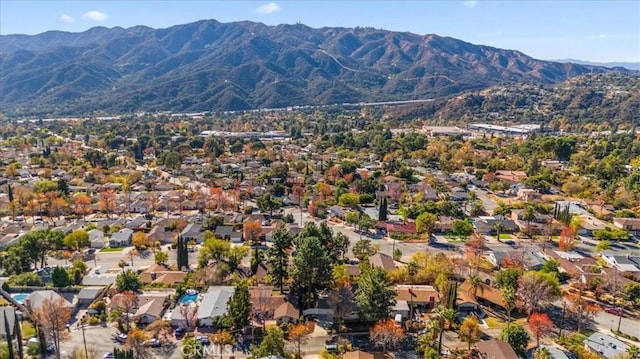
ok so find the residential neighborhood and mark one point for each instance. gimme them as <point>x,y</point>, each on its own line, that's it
<point>172,240</point>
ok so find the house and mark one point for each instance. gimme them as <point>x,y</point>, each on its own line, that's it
<point>605,345</point>
<point>358,354</point>
<point>422,297</point>
<point>527,260</point>
<point>630,224</point>
<point>141,206</point>
<point>214,304</point>
<point>7,313</point>
<point>228,233</point>
<point>381,260</point>
<point>286,313</point>
<point>337,211</point>
<point>96,237</point>
<point>443,225</point>
<point>160,274</point>
<point>541,223</point>
<point>496,349</point>
<point>510,176</point>
<point>487,225</point>
<point>590,224</point>
<point>150,311</point>
<point>528,195</point>
<point>159,234</point>
<point>87,295</point>
<point>122,238</point>
<point>37,299</point>
<point>192,232</point>
<point>400,228</point>
<point>137,224</point>
<point>624,263</point>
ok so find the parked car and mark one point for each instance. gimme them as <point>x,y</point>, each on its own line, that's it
<point>108,355</point>
<point>510,242</point>
<point>203,340</point>
<point>154,343</point>
<point>179,332</point>
<point>614,311</point>
<point>121,338</point>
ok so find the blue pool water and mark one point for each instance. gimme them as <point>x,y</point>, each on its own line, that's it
<point>20,297</point>
<point>188,298</point>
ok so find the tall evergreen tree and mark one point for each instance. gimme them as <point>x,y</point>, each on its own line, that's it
<point>240,306</point>
<point>278,257</point>
<point>382,212</point>
<point>374,297</point>
<point>311,270</point>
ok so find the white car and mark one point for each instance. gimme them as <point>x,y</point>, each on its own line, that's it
<point>108,356</point>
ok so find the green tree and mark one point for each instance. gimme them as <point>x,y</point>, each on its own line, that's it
<point>542,353</point>
<point>349,200</point>
<point>516,336</point>
<point>374,296</point>
<point>311,270</point>
<point>475,284</point>
<point>425,223</point>
<point>266,203</point>
<point>278,258</point>
<point>128,280</point>
<point>192,349</point>
<point>240,306</point>
<point>363,249</point>
<point>462,228</point>
<point>469,332</point>
<point>60,277</point>
<point>35,245</point>
<point>161,257</point>
<point>272,344</point>
<point>77,239</point>
<point>383,210</point>
<point>529,215</point>
<point>603,245</point>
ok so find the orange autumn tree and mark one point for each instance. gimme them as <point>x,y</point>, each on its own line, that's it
<point>567,239</point>
<point>252,231</point>
<point>82,205</point>
<point>299,334</point>
<point>386,334</point>
<point>540,325</point>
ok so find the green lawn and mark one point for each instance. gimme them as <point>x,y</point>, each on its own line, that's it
<point>109,249</point>
<point>505,236</point>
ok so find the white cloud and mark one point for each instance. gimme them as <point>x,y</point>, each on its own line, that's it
<point>470,3</point>
<point>269,8</point>
<point>67,19</point>
<point>94,16</point>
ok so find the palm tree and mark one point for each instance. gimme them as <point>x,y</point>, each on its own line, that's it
<point>528,215</point>
<point>499,228</point>
<point>475,283</point>
<point>633,352</point>
<point>542,353</point>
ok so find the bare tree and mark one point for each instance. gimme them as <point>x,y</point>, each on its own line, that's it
<point>189,313</point>
<point>52,316</point>
<point>342,301</point>
<point>261,307</point>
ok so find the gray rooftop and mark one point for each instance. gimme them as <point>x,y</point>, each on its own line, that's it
<point>605,345</point>
<point>214,302</point>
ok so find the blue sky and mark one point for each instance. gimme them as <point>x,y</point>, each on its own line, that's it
<point>585,30</point>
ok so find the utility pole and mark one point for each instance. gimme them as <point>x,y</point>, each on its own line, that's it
<point>84,341</point>
<point>564,306</point>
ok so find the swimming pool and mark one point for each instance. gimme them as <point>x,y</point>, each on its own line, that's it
<point>188,298</point>
<point>20,297</point>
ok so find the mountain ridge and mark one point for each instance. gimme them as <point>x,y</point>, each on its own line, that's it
<point>243,65</point>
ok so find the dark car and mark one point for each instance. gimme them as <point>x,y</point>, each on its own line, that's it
<point>510,242</point>
<point>154,343</point>
<point>179,332</point>
<point>203,340</point>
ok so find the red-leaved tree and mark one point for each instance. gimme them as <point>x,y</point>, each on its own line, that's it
<point>540,325</point>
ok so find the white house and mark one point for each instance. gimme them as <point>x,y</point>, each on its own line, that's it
<point>122,238</point>
<point>96,237</point>
<point>214,304</point>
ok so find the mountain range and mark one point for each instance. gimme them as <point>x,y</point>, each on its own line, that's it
<point>208,65</point>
